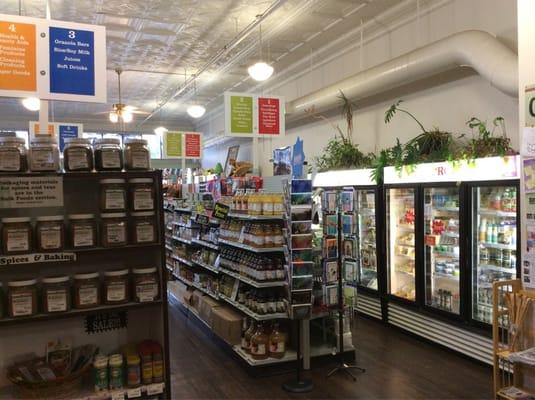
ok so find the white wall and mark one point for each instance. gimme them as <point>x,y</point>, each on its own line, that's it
<point>447,106</point>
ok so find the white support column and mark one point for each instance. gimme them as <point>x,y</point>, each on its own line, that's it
<point>256,170</point>
<point>43,118</point>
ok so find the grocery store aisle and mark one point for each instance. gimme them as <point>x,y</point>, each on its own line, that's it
<point>398,367</point>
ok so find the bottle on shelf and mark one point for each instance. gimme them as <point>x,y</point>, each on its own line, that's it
<point>494,233</point>
<point>496,200</point>
<point>267,204</point>
<point>483,230</point>
<point>260,343</point>
<point>246,341</point>
<point>277,342</point>
<point>488,236</point>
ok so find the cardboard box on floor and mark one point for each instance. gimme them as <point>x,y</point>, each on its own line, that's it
<point>207,306</point>
<point>227,324</point>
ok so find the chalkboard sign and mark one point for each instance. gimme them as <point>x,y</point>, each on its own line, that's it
<point>106,321</point>
<point>221,211</point>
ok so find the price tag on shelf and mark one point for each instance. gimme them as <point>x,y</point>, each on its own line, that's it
<point>154,389</point>
<point>202,219</point>
<point>133,393</point>
<point>117,395</point>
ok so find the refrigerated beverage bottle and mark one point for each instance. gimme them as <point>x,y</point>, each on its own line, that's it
<point>505,200</point>
<point>484,256</point>
<point>483,230</point>
<point>494,233</point>
<point>513,236</point>
<point>496,200</point>
<point>501,234</point>
<point>513,200</point>
<point>488,237</point>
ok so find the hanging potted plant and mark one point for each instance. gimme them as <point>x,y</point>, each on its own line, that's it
<point>485,143</point>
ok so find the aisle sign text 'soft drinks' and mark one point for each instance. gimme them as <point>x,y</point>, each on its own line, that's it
<point>52,60</point>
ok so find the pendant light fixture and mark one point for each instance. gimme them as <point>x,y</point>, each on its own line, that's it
<point>261,70</point>
<point>31,103</point>
<point>195,110</point>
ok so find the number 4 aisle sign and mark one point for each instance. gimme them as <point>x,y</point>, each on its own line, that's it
<point>52,60</point>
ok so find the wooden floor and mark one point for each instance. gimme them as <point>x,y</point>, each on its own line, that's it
<point>398,367</point>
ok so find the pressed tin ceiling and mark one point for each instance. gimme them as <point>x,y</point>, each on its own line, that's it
<point>156,42</point>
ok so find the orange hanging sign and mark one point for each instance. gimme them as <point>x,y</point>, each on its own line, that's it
<point>17,56</point>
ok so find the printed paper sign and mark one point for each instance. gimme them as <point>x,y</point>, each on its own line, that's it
<point>31,192</point>
<point>529,175</point>
<point>37,258</point>
<point>268,116</point>
<point>527,148</point>
<point>173,145</point>
<point>18,71</point>
<point>193,145</point>
<point>65,132</point>
<point>241,114</point>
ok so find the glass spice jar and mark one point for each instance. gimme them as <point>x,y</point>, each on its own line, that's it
<point>83,230</point>
<point>136,154</point>
<point>145,353</point>
<point>44,154</point>
<point>141,194</point>
<point>157,362</point>
<point>50,233</point>
<point>144,230</point>
<point>112,195</point>
<point>16,235</point>
<point>146,284</point>
<point>116,286</point>
<point>86,290</point>
<point>13,155</point>
<point>78,155</point>
<point>108,155</point>
<point>133,374</point>
<point>22,298</point>
<point>113,231</point>
<point>116,371</point>
<point>56,293</point>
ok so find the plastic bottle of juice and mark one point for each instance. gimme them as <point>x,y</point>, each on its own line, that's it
<point>267,204</point>
<point>278,204</point>
<point>245,202</point>
<point>253,203</point>
<point>488,237</point>
<point>483,230</point>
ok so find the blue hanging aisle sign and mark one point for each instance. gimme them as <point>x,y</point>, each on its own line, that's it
<point>72,61</point>
<point>66,131</point>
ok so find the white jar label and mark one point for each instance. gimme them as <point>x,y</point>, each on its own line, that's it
<point>110,159</point>
<point>56,300</point>
<point>9,160</point>
<point>115,233</point>
<point>42,160</point>
<point>50,238</point>
<point>77,159</point>
<point>22,304</point>
<point>88,295</point>
<point>278,208</point>
<point>83,236</point>
<point>258,349</point>
<point>114,199</point>
<point>277,347</point>
<point>145,232</point>
<point>267,208</point>
<point>143,199</point>
<point>116,292</point>
<point>146,292</point>
<point>18,240</point>
<point>140,159</point>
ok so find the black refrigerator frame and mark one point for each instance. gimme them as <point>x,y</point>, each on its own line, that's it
<point>466,209</point>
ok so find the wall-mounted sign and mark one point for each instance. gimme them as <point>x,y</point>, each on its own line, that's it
<point>62,130</point>
<point>172,145</point>
<point>31,192</point>
<point>530,105</point>
<point>52,60</point>
<point>249,115</point>
<point>192,145</point>
<point>182,145</point>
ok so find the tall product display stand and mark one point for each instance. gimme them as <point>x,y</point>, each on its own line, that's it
<point>298,194</point>
<point>77,276</point>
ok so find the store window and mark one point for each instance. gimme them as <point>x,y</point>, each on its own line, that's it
<point>155,146</point>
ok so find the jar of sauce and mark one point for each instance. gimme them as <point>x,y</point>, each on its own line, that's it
<point>116,286</point>
<point>108,155</point>
<point>13,155</point>
<point>136,154</point>
<point>144,227</point>
<point>86,290</point>
<point>22,298</point>
<point>78,155</point>
<point>50,233</point>
<point>83,230</point>
<point>112,195</point>
<point>16,235</point>
<point>260,343</point>
<point>142,194</point>
<point>56,294</point>
<point>113,229</point>
<point>146,284</point>
<point>44,155</point>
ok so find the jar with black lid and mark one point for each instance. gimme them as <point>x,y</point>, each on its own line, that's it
<point>144,227</point>
<point>78,155</point>
<point>50,233</point>
<point>82,230</point>
<point>22,298</point>
<point>112,195</point>
<point>116,289</point>
<point>136,154</point>
<point>108,155</point>
<point>141,194</point>
<point>86,290</point>
<point>13,154</point>
<point>146,284</point>
<point>44,154</point>
<point>16,235</point>
<point>56,294</point>
<point>113,232</point>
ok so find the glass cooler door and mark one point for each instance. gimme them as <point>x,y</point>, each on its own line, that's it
<point>494,244</point>
<point>442,250</point>
<point>367,274</point>
<point>401,253</point>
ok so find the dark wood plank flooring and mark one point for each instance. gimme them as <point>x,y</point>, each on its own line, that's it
<point>398,366</point>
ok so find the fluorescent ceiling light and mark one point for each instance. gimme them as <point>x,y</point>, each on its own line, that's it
<point>260,71</point>
<point>160,130</point>
<point>32,103</point>
<point>196,111</point>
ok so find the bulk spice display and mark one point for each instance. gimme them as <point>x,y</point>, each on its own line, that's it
<point>100,215</point>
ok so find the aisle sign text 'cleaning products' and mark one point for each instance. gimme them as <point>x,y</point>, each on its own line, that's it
<point>248,115</point>
<point>52,60</point>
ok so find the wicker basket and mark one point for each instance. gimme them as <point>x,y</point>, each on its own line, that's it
<point>67,387</point>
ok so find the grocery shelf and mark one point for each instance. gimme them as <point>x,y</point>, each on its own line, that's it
<point>179,239</point>
<point>498,213</point>
<point>256,217</point>
<point>499,246</point>
<point>182,260</point>
<point>182,209</point>
<point>257,317</point>
<point>446,276</point>
<point>445,254</point>
<point>250,281</point>
<point>205,243</point>
<point>251,248</point>
<point>290,355</point>
<point>206,266</point>
<point>446,209</point>
<point>148,390</point>
<point>73,313</point>
<point>168,247</point>
<point>496,268</point>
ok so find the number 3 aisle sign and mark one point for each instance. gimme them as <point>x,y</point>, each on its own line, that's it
<point>52,60</point>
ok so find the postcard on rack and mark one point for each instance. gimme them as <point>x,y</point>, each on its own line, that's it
<point>330,248</point>
<point>349,248</point>
<point>331,271</point>
<point>329,201</point>
<point>346,200</point>
<point>348,227</point>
